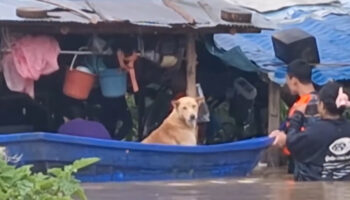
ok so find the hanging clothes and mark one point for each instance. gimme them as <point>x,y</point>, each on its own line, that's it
<point>29,58</point>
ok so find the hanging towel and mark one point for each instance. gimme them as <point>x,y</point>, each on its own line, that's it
<point>29,58</point>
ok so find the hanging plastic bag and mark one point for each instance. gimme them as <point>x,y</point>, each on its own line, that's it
<point>203,112</point>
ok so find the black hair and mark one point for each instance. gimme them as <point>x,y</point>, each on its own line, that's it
<point>301,70</point>
<point>328,95</point>
<point>74,110</point>
<point>127,44</point>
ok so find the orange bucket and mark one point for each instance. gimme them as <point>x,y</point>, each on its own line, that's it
<point>78,83</point>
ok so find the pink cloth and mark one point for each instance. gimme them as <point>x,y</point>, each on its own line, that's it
<point>30,57</point>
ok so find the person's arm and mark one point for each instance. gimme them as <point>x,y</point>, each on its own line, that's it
<point>295,122</point>
<point>303,145</point>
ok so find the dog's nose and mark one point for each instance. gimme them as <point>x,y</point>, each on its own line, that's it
<point>193,117</point>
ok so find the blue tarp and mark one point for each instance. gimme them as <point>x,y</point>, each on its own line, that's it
<point>233,56</point>
<point>333,39</point>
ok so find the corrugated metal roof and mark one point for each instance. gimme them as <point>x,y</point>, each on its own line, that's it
<point>333,39</point>
<point>8,11</point>
<point>139,12</point>
<point>273,5</point>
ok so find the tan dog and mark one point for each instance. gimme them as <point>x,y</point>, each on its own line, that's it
<point>180,127</point>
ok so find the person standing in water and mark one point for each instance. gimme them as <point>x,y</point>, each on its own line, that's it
<point>322,151</point>
<point>299,83</point>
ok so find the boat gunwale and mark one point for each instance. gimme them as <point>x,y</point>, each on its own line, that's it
<point>250,144</point>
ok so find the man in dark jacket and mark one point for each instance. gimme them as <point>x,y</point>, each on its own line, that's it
<point>299,83</point>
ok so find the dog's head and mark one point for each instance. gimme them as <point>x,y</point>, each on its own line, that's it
<point>187,109</point>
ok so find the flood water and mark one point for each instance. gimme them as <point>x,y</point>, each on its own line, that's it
<point>271,184</point>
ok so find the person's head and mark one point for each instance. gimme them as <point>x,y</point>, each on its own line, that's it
<point>328,96</point>
<point>74,111</point>
<point>298,75</point>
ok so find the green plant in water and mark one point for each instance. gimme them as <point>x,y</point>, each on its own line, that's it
<point>133,135</point>
<point>59,184</point>
<point>283,111</point>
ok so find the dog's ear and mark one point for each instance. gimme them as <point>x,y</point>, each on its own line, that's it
<point>175,103</point>
<point>200,100</point>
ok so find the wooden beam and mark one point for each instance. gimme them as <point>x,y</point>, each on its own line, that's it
<point>62,5</point>
<point>209,10</point>
<point>191,58</point>
<point>41,27</point>
<point>273,156</point>
<point>170,4</point>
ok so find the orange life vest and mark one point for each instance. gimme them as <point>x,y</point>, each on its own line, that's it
<point>303,100</point>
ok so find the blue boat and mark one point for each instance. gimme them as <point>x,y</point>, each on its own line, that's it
<point>131,161</point>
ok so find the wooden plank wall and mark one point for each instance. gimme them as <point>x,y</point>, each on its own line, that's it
<point>273,156</point>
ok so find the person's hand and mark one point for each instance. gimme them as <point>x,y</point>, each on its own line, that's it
<point>120,58</point>
<point>130,60</point>
<point>342,99</point>
<point>280,138</point>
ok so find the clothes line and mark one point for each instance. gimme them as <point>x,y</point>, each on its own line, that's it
<point>84,53</point>
<point>68,52</point>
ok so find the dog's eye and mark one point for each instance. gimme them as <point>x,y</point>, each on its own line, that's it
<point>194,106</point>
<point>185,108</point>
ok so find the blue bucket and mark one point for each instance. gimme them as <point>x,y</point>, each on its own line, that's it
<point>113,82</point>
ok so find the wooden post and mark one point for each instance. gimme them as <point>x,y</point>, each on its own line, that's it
<point>273,155</point>
<point>191,58</point>
<point>274,106</point>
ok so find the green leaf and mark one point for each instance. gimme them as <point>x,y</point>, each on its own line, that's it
<point>55,171</point>
<point>79,164</point>
<point>21,184</point>
<point>80,194</point>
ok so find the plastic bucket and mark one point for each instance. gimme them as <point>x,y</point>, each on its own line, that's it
<point>78,84</point>
<point>113,82</point>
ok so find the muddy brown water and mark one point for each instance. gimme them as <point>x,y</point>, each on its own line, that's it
<point>269,184</point>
